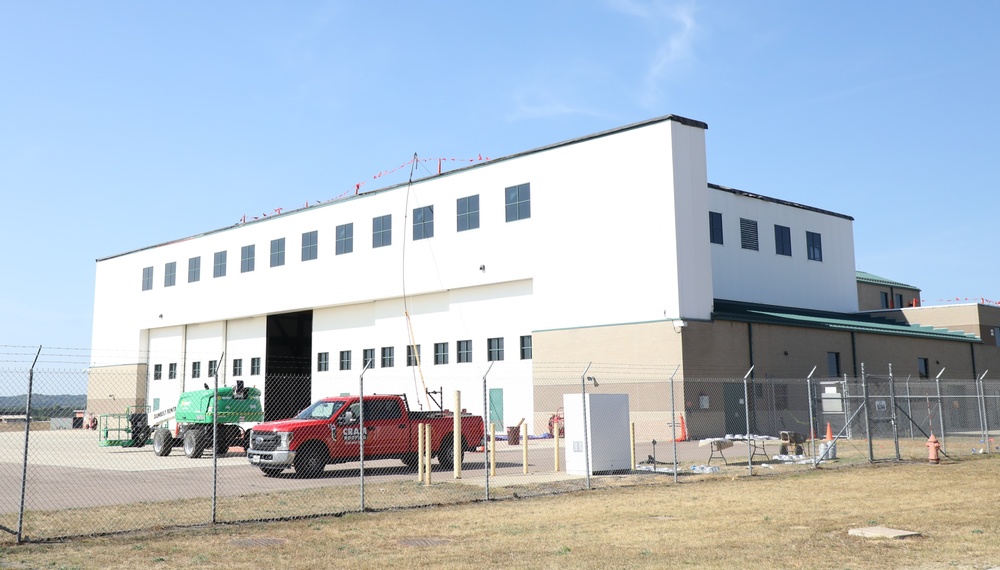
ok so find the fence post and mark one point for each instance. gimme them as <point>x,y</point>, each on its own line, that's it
<point>24,465</point>
<point>812,417</point>
<point>673,424</point>
<point>868,423</point>
<point>215,437</point>
<point>456,438</point>
<point>487,448</point>
<point>984,419</point>
<point>892,412</point>
<point>746,409</point>
<point>586,437</point>
<point>937,381</point>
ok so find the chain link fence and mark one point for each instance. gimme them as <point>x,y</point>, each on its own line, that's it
<point>111,464</point>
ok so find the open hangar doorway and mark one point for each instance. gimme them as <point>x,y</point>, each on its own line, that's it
<point>288,380</point>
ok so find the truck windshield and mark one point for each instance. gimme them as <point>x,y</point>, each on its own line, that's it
<point>320,411</point>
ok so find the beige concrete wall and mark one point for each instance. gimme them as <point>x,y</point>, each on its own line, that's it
<point>634,359</point>
<point>637,360</point>
<point>877,352</point>
<point>111,389</point>
<point>870,298</point>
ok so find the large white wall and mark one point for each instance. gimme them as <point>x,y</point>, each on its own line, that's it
<point>472,313</point>
<point>763,276</point>
<point>601,245</point>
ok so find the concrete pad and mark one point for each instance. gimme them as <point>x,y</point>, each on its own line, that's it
<point>881,532</point>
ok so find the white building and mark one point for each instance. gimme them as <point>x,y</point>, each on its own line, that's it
<point>583,251</point>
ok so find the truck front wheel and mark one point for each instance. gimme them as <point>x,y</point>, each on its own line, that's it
<point>194,443</point>
<point>310,461</point>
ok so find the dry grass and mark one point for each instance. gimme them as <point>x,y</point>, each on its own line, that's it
<point>791,520</point>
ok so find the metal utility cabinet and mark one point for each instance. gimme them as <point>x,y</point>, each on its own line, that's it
<point>607,433</point>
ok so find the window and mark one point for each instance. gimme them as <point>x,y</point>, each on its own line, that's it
<point>715,227</point>
<point>995,333</point>
<point>440,353</point>
<point>219,268</point>
<point>157,371</point>
<point>237,367</point>
<point>388,356</point>
<point>526,347</point>
<point>310,245</point>
<point>382,231</point>
<point>382,410</point>
<point>412,355</point>
<point>277,252</point>
<point>323,362</point>
<point>781,396</point>
<point>170,274</point>
<point>885,299</point>
<point>748,234</point>
<point>782,240</point>
<point>423,223</point>
<point>464,350</point>
<point>172,371</point>
<point>518,202</point>
<point>833,364</point>
<point>255,366</point>
<point>345,239</point>
<point>814,246</point>
<point>194,269</point>
<point>213,368</point>
<point>246,258</point>
<point>468,213</point>
<point>922,368</point>
<point>147,278</point>
<point>345,359</point>
<point>899,300</point>
<point>368,358</point>
<point>196,369</point>
<point>494,349</point>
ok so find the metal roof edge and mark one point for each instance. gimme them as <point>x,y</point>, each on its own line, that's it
<point>746,194</point>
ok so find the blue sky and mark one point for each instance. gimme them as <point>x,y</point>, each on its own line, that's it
<point>126,124</point>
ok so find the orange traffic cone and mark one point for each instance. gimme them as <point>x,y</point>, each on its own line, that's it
<point>829,432</point>
<point>684,431</point>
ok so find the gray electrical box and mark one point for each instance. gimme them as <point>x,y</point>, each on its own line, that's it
<point>607,433</point>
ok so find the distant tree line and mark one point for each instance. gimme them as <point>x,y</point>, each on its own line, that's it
<point>41,414</point>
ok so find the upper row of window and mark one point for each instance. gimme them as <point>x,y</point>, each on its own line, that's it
<point>782,237</point>
<point>517,202</point>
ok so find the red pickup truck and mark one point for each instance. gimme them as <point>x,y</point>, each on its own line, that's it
<point>329,432</point>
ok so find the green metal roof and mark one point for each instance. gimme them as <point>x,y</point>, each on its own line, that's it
<point>855,322</point>
<point>865,277</point>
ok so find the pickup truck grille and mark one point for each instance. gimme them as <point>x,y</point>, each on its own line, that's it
<point>263,441</point>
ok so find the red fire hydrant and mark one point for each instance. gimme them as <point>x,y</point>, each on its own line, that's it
<point>933,445</point>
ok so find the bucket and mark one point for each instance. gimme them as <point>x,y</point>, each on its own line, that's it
<point>832,446</point>
<point>513,435</point>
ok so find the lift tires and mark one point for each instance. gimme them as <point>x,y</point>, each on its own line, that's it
<point>163,442</point>
<point>194,444</point>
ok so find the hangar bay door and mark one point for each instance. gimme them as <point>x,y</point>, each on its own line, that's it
<point>288,380</point>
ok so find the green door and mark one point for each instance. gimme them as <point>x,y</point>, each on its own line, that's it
<point>496,408</point>
<point>736,412</point>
